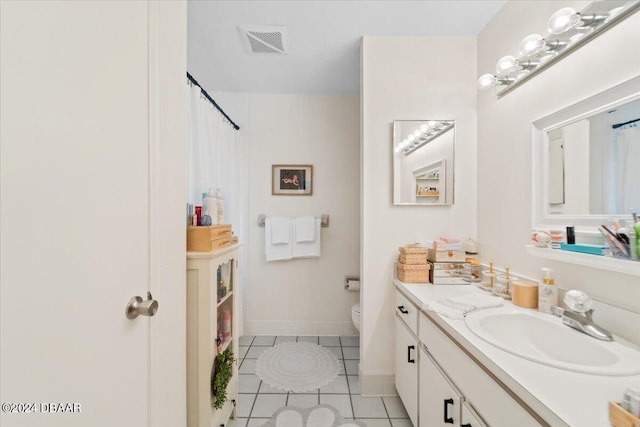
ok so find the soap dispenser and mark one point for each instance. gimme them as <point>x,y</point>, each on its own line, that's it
<point>548,292</point>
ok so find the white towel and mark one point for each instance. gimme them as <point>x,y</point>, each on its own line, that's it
<point>280,230</point>
<point>305,229</point>
<point>308,249</point>
<point>276,252</point>
<point>458,307</point>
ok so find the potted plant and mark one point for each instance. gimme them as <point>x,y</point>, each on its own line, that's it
<point>222,372</point>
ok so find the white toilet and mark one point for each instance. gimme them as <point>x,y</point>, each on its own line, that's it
<point>355,315</point>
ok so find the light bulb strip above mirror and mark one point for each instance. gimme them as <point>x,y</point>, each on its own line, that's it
<point>567,31</point>
<point>423,135</point>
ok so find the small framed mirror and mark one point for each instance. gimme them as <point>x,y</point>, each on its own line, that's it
<point>423,159</point>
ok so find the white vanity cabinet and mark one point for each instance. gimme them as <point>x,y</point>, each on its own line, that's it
<point>406,359</point>
<point>447,387</point>
<point>440,402</point>
<point>493,403</point>
<point>470,418</point>
<point>212,319</point>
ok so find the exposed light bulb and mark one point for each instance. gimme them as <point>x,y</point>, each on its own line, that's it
<point>532,44</point>
<point>506,64</point>
<point>563,20</point>
<point>486,81</point>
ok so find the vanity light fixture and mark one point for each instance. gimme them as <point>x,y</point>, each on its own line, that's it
<point>567,31</point>
<point>423,135</point>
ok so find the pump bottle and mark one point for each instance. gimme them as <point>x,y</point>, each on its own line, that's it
<point>547,292</point>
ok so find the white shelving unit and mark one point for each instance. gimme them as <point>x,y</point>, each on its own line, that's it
<point>205,305</point>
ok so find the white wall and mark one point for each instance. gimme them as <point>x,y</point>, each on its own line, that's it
<point>407,78</point>
<point>303,296</point>
<point>504,140</point>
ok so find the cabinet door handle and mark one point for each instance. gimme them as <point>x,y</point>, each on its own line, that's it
<point>402,309</point>
<point>466,425</point>
<point>447,418</point>
<point>409,359</point>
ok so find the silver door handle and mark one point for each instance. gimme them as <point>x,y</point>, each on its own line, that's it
<point>137,306</point>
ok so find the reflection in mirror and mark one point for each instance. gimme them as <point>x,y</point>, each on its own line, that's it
<point>423,162</point>
<point>590,162</point>
<point>594,163</point>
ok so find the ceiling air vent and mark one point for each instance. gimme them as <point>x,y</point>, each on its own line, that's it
<point>264,38</point>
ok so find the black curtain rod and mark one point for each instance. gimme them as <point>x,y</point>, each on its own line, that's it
<point>210,99</point>
<point>625,123</point>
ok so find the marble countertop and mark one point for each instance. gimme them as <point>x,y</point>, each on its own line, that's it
<point>559,396</point>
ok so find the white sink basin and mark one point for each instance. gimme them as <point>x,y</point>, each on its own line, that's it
<point>544,339</point>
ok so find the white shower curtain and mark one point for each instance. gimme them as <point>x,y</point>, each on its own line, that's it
<point>628,170</point>
<point>212,155</point>
<point>218,159</point>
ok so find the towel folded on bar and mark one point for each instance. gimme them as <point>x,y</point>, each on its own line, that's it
<point>305,229</point>
<point>283,250</point>
<point>460,306</point>
<point>280,230</point>
<point>311,249</point>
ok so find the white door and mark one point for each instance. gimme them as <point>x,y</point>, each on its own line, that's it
<point>79,168</point>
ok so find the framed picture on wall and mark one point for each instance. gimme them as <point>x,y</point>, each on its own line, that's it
<point>291,180</point>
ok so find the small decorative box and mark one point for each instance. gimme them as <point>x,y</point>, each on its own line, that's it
<point>449,273</point>
<point>413,254</point>
<point>207,239</point>
<point>446,255</point>
<point>412,273</point>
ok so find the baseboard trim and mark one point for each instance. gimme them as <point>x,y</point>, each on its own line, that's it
<point>377,385</point>
<point>279,327</point>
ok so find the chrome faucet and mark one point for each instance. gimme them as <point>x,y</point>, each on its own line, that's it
<point>581,321</point>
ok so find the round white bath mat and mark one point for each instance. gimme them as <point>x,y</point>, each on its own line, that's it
<point>318,416</point>
<point>297,366</point>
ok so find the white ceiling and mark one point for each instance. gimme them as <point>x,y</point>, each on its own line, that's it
<point>324,39</point>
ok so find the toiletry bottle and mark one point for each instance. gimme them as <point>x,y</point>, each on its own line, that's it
<point>630,230</point>
<point>226,324</point>
<point>571,235</point>
<point>548,292</point>
<point>220,206</point>
<point>210,203</point>
<point>206,213</point>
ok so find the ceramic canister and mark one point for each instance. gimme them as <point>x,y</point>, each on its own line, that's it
<point>524,294</point>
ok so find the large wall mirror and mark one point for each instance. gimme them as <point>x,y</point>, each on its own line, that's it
<point>423,162</point>
<point>587,160</point>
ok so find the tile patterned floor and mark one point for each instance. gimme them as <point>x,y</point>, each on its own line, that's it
<point>257,401</point>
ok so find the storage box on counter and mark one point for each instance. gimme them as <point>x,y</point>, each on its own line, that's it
<point>207,239</point>
<point>446,255</point>
<point>413,254</point>
<point>412,273</point>
<point>619,417</point>
<point>449,273</point>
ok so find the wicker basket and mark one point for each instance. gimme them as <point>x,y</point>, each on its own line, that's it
<point>412,273</point>
<point>418,259</point>
<point>412,249</point>
<point>621,418</point>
